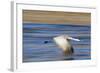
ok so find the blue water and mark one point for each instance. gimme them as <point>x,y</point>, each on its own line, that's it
<point>38,44</point>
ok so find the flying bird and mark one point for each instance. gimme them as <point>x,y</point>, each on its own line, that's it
<point>63,42</point>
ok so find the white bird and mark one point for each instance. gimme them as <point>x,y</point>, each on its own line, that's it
<point>63,42</point>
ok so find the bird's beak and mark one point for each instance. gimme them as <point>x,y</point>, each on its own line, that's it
<point>73,39</point>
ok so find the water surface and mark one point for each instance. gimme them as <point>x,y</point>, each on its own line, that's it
<point>38,44</point>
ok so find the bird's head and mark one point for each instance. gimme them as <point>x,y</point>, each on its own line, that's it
<point>68,38</point>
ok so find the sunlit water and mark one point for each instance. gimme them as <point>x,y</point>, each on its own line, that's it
<point>38,44</point>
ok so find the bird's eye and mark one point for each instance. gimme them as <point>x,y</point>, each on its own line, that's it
<point>68,39</point>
